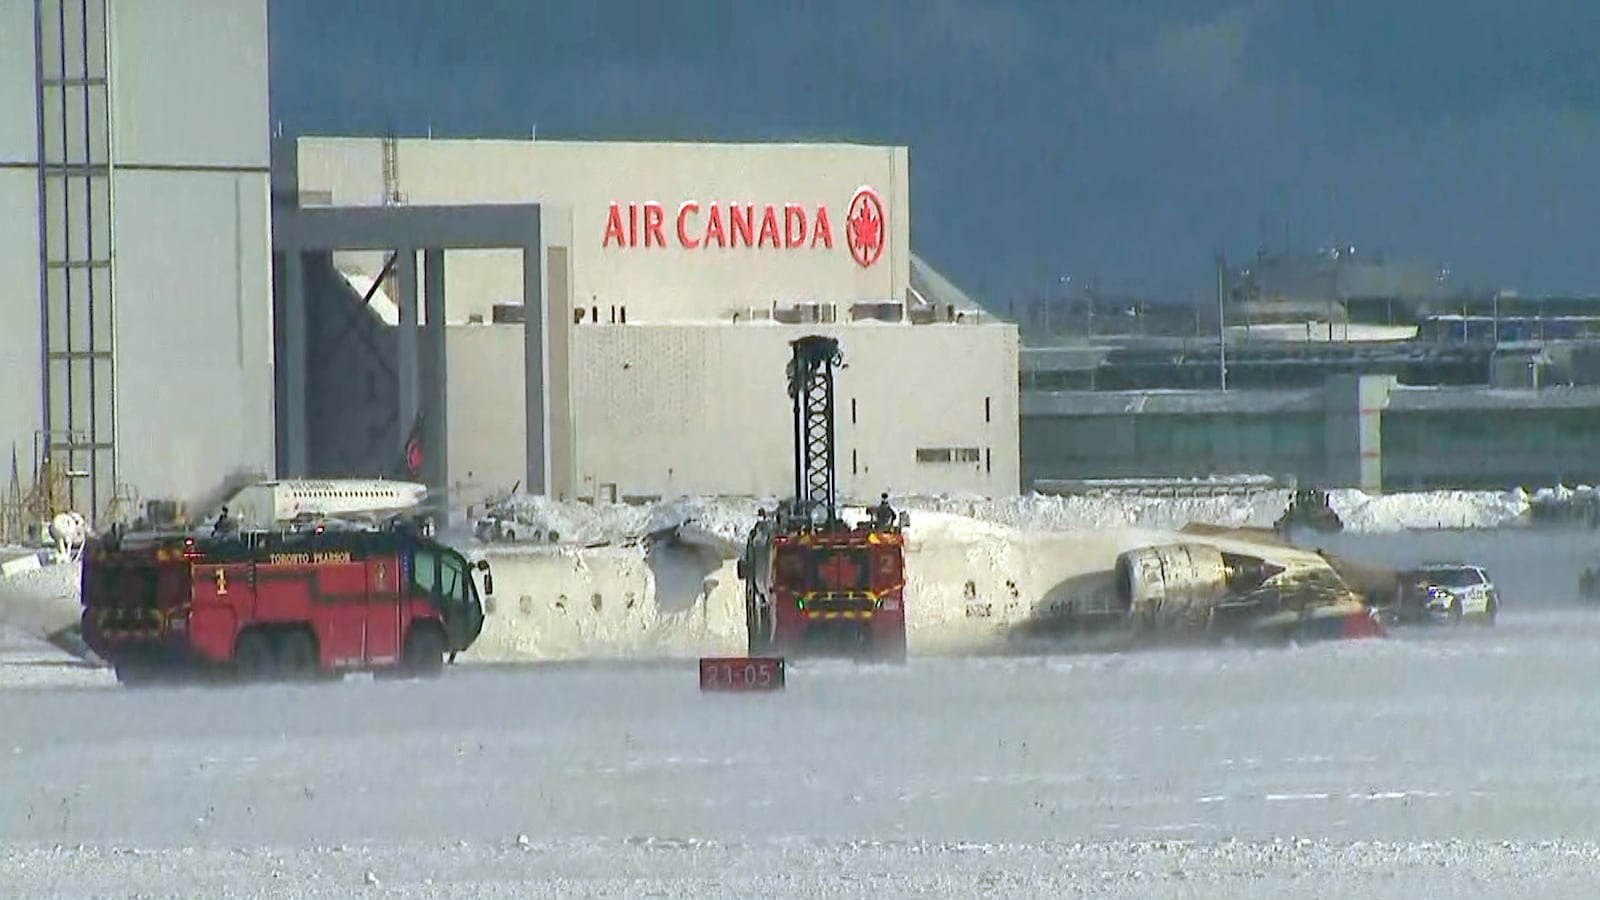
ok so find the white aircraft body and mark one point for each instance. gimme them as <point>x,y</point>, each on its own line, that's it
<point>275,503</point>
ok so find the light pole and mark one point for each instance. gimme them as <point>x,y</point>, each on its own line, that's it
<point>1222,319</point>
<point>1062,282</point>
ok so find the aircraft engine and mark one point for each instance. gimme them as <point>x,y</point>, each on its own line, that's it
<point>1178,585</point>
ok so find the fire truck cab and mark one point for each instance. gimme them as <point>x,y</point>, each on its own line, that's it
<point>265,605</point>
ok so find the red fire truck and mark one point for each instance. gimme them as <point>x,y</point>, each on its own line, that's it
<point>814,584</point>
<point>279,605</point>
<point>826,592</point>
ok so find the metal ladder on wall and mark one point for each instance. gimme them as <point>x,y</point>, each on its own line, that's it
<point>78,334</point>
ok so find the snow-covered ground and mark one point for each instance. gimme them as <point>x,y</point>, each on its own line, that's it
<point>38,600</point>
<point>27,661</point>
<point>1446,764</point>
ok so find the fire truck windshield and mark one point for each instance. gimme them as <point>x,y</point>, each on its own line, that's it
<point>453,579</point>
<point>456,593</point>
<point>828,569</point>
<point>455,585</point>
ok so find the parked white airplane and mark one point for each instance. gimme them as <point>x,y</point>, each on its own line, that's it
<point>274,503</point>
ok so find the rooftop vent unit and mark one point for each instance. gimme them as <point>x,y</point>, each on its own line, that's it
<point>509,314</point>
<point>878,311</point>
<point>809,313</point>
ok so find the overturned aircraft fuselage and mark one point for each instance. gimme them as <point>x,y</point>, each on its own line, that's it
<point>1201,583</point>
<point>1196,588</point>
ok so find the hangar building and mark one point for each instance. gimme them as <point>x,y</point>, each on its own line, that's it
<point>135,317</point>
<point>672,277</point>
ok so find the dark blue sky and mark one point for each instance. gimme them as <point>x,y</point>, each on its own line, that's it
<point>1121,137</point>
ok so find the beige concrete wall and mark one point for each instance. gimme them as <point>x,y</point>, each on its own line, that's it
<point>192,243</point>
<point>20,364</point>
<point>555,224</point>
<point>656,283</point>
<point>662,410</point>
<point>193,308</point>
<point>17,98</point>
<point>486,389</point>
<point>486,393</point>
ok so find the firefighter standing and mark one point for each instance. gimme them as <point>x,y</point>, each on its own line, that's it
<point>883,513</point>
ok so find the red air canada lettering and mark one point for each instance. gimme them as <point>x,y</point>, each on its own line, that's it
<point>790,226</point>
<point>723,225</point>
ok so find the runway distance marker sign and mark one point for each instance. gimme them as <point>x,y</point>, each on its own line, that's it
<point>741,674</point>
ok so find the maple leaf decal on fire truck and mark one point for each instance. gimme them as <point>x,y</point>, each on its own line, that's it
<point>864,227</point>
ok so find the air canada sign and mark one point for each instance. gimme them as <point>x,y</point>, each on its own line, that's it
<point>756,226</point>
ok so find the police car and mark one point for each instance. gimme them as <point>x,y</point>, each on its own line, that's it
<point>1445,592</point>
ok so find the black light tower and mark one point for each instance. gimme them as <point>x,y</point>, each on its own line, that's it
<point>811,389</point>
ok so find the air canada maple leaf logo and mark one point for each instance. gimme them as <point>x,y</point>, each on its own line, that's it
<point>414,457</point>
<point>412,453</point>
<point>864,227</point>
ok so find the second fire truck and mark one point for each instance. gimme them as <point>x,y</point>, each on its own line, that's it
<point>814,584</point>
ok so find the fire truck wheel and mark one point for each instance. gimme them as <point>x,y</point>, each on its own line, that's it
<point>252,657</point>
<point>424,652</point>
<point>297,654</point>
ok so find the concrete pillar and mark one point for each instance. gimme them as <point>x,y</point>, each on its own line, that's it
<point>535,376</point>
<point>1353,430</point>
<point>557,315</point>
<point>405,272</point>
<point>435,405</point>
<point>292,332</point>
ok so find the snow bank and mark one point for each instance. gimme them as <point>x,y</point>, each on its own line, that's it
<point>724,521</point>
<point>1361,512</point>
<point>40,601</point>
